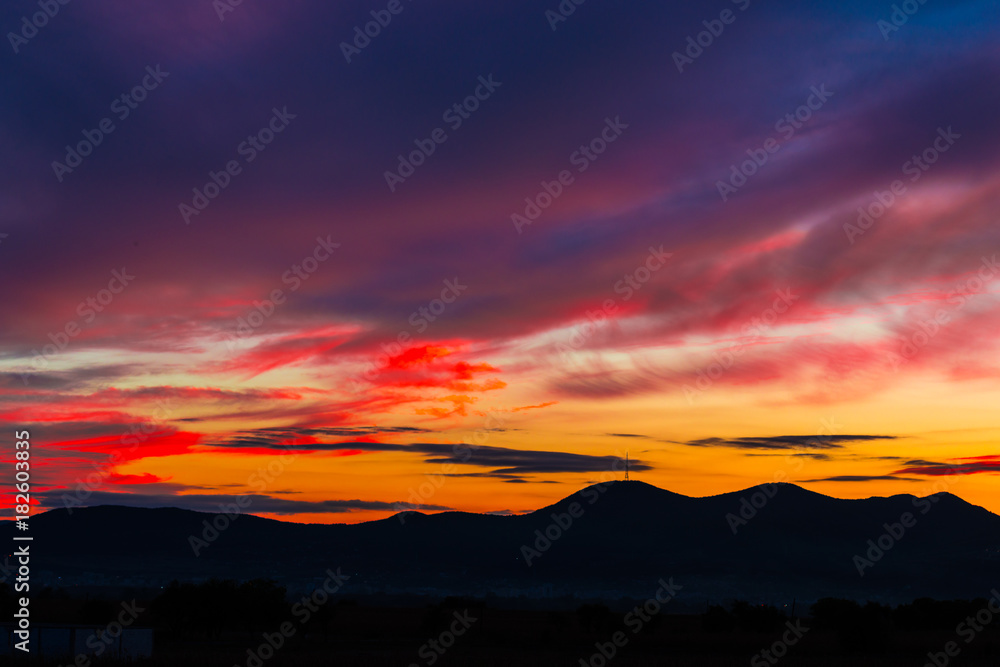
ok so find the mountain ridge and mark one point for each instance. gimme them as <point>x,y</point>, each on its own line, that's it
<point>636,484</point>
<point>609,539</point>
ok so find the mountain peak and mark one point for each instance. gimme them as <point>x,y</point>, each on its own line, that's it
<point>618,534</point>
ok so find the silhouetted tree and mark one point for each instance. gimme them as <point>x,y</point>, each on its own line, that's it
<point>95,612</point>
<point>926,614</point>
<point>717,619</point>
<point>594,618</point>
<point>757,618</point>
<point>833,613</point>
<point>262,605</point>
<point>433,618</point>
<point>8,604</point>
<point>321,621</point>
<point>858,628</point>
<point>215,606</point>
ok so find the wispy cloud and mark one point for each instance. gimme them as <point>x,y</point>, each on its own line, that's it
<point>864,478</point>
<point>258,503</point>
<point>962,466</point>
<point>783,442</point>
<point>506,461</point>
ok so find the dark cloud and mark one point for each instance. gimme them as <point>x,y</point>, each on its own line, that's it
<point>606,384</point>
<point>493,475</point>
<point>521,462</point>
<point>815,456</point>
<point>259,504</point>
<point>863,478</point>
<point>505,460</point>
<point>784,442</point>
<point>984,464</point>
<point>364,430</point>
<point>273,438</point>
<point>76,378</point>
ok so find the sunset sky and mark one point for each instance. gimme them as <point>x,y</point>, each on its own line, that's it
<point>581,266</point>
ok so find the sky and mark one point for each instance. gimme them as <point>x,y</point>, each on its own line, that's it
<point>472,258</point>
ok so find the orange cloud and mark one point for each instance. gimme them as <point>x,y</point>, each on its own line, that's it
<point>534,407</point>
<point>459,403</point>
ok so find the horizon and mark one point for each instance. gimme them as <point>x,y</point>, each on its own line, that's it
<point>248,254</point>
<point>606,484</point>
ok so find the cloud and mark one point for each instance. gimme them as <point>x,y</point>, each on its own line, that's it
<point>285,349</point>
<point>863,478</point>
<point>526,292</point>
<point>960,466</point>
<point>815,456</point>
<point>507,461</point>
<point>784,442</point>
<point>283,437</point>
<point>258,503</point>
<point>520,462</point>
<point>967,466</point>
<point>534,407</point>
<point>605,384</point>
<point>74,378</point>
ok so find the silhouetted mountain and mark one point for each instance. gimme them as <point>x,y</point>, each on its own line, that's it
<point>771,542</point>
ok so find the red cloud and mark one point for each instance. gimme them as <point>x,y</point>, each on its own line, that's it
<point>418,356</point>
<point>978,464</point>
<point>421,368</point>
<point>135,446</point>
<point>286,350</point>
<point>145,478</point>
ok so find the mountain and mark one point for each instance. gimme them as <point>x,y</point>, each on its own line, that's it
<point>769,543</point>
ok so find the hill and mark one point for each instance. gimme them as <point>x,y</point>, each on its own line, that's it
<point>770,543</point>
